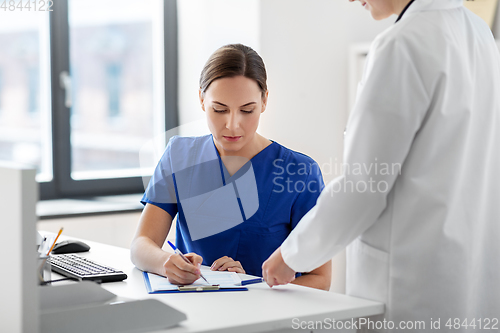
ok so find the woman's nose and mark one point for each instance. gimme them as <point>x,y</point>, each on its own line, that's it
<point>232,121</point>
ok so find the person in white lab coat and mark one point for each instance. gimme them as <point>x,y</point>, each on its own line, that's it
<point>418,204</point>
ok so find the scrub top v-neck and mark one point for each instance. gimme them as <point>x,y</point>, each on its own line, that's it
<point>271,194</point>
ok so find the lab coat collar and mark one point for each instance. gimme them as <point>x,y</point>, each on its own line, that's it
<point>425,5</point>
<point>404,10</point>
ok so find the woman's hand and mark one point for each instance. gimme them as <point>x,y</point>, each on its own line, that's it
<point>180,272</point>
<point>227,264</point>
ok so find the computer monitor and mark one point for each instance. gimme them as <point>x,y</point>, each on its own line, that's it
<point>19,308</point>
<point>19,288</point>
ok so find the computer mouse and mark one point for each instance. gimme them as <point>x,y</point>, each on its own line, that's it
<point>70,246</point>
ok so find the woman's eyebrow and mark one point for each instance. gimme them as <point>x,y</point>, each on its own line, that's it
<point>221,104</point>
<point>248,104</point>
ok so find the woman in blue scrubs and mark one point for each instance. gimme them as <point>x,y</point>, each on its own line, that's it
<point>237,195</point>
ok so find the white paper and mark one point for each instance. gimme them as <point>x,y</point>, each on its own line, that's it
<point>46,244</point>
<point>223,279</point>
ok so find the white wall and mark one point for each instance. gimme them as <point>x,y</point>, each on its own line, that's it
<point>112,229</point>
<point>305,45</point>
<point>204,26</point>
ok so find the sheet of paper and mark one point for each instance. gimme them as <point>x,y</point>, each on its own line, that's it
<point>223,279</point>
<point>46,244</point>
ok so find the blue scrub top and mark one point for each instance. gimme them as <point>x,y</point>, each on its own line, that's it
<point>288,184</point>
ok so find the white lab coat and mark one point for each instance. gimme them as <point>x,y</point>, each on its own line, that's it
<point>429,246</point>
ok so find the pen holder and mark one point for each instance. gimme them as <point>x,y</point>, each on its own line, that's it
<point>43,270</point>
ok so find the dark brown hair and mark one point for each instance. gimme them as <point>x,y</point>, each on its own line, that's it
<point>234,60</point>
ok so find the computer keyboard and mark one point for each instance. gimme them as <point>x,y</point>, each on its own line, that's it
<point>74,266</point>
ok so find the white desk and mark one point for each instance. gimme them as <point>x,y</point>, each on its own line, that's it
<point>260,309</point>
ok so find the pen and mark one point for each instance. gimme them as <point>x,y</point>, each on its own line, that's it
<point>176,250</point>
<point>251,281</point>
<point>55,240</point>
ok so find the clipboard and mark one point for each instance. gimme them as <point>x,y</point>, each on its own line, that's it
<point>190,288</point>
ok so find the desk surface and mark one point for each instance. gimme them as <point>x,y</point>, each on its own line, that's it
<point>260,309</point>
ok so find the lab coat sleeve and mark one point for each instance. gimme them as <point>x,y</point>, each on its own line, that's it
<point>391,105</point>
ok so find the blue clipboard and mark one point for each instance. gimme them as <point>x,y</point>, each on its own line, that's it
<point>189,289</point>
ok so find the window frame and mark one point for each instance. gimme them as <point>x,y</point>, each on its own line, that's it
<point>62,185</point>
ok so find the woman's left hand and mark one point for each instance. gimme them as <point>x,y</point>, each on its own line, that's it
<point>227,264</point>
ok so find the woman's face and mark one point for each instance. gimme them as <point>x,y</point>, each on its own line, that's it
<point>379,9</point>
<point>233,107</point>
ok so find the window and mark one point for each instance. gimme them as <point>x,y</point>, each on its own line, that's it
<point>1,91</point>
<point>33,90</point>
<point>83,88</point>
<point>25,116</point>
<point>114,79</point>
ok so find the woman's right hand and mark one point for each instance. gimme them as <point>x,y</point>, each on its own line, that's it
<point>180,272</point>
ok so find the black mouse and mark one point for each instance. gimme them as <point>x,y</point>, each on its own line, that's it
<point>70,246</point>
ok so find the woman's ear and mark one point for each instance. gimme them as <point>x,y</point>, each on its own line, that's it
<point>264,101</point>
<point>202,99</point>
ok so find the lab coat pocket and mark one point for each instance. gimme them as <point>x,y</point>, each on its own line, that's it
<point>367,271</point>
